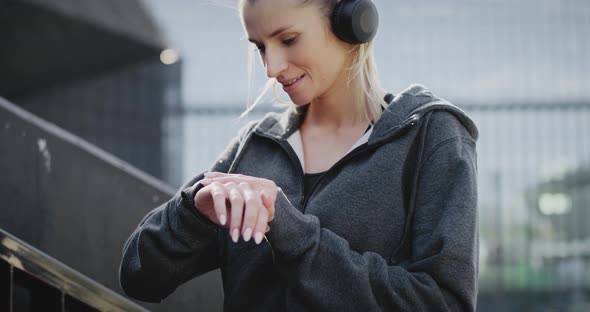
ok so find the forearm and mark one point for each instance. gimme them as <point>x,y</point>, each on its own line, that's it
<point>171,245</point>
<point>174,242</point>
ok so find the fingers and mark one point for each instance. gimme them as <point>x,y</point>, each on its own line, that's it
<point>269,203</point>
<point>251,210</point>
<point>261,224</point>
<point>218,195</point>
<point>251,203</point>
<point>232,177</point>
<point>237,209</point>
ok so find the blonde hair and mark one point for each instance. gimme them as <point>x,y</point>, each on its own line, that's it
<point>363,80</point>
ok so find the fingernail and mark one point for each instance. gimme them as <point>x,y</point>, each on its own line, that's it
<point>208,174</point>
<point>258,238</point>
<point>206,181</point>
<point>247,234</point>
<point>235,235</point>
<point>222,219</point>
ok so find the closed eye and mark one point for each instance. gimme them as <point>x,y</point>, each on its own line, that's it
<point>288,42</point>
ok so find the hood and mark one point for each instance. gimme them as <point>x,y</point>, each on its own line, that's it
<point>406,108</point>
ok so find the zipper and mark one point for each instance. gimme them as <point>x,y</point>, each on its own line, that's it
<point>294,159</point>
<point>357,151</point>
<point>363,148</point>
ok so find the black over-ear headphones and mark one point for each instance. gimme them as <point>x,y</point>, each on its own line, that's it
<point>355,21</point>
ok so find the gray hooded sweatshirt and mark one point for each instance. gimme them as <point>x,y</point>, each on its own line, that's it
<point>392,226</point>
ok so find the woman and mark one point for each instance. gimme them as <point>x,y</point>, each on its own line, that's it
<point>353,200</point>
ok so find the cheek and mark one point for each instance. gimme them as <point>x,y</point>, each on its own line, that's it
<point>317,63</point>
<point>326,69</point>
<point>311,56</point>
<point>321,58</point>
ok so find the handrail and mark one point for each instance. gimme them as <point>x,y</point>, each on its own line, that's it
<point>24,257</point>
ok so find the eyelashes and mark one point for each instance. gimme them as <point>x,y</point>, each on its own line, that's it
<point>288,42</point>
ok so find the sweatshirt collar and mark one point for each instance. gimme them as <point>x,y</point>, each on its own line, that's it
<point>405,108</point>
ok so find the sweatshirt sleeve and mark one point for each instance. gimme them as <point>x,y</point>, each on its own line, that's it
<point>324,274</point>
<point>174,242</point>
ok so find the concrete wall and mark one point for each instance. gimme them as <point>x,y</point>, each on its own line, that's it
<point>78,204</point>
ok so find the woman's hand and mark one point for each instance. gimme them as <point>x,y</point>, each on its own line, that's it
<point>251,202</point>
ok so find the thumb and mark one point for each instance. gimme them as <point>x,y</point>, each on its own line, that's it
<point>268,203</point>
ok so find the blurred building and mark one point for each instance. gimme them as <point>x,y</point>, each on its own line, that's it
<point>564,200</point>
<point>102,71</point>
<point>95,69</point>
<point>561,234</point>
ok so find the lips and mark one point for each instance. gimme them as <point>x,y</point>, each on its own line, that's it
<point>288,82</point>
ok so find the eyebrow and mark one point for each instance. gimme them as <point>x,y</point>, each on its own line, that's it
<point>274,33</point>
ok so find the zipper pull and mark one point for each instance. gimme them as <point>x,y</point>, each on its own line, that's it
<point>413,119</point>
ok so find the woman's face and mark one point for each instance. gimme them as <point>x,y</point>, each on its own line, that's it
<point>297,43</point>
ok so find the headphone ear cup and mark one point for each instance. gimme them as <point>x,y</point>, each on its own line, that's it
<point>355,21</point>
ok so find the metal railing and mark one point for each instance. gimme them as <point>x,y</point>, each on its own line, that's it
<point>34,281</point>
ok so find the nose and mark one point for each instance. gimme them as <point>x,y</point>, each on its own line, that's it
<point>275,63</point>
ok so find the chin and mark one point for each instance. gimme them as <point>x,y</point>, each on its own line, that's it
<point>300,100</point>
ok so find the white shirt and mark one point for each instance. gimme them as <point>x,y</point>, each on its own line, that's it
<point>295,142</point>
